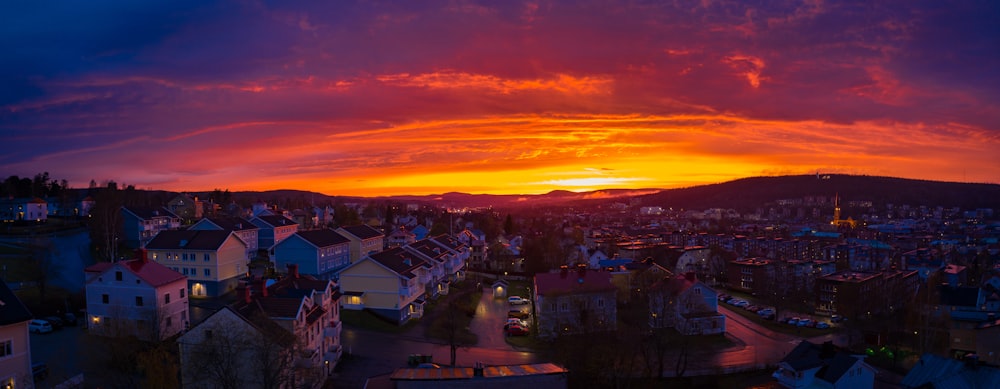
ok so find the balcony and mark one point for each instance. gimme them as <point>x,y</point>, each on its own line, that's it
<point>307,358</point>
<point>333,353</point>
<point>333,331</point>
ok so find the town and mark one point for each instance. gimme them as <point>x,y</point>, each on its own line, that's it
<point>112,286</point>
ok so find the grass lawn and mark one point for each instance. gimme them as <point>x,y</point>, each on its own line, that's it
<point>368,321</point>
<point>465,300</point>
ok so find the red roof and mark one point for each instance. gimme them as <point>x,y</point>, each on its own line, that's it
<point>573,281</point>
<point>153,273</point>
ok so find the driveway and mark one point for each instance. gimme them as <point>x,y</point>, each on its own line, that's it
<point>491,314</point>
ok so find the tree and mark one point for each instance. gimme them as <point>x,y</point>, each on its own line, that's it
<point>508,225</point>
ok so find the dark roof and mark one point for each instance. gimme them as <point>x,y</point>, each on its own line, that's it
<point>12,310</point>
<point>833,361</point>
<point>269,329</point>
<point>147,213</point>
<point>939,372</point>
<point>276,220</point>
<point>363,231</point>
<point>573,281</point>
<point>303,285</point>
<point>188,240</point>
<point>961,296</point>
<point>398,260</point>
<point>448,242</point>
<point>232,223</point>
<point>429,249</point>
<point>323,238</point>
<point>153,273</point>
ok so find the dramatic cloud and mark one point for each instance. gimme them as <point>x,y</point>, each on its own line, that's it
<point>371,98</point>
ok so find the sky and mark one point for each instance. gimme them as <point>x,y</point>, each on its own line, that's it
<point>373,98</point>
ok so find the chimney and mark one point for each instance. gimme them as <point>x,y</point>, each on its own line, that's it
<point>263,287</point>
<point>293,270</point>
<point>243,292</point>
<point>142,255</point>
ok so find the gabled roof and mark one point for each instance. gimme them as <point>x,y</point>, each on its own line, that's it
<point>573,281</point>
<point>276,220</point>
<point>301,286</point>
<point>146,213</point>
<point>153,273</point>
<point>363,231</point>
<point>230,223</point>
<point>448,242</point>
<point>322,238</point>
<point>940,373</point>
<point>189,240</point>
<point>257,320</point>
<point>12,310</point>
<point>399,260</point>
<point>831,361</point>
<point>429,249</point>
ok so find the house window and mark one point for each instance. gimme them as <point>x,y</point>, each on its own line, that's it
<point>104,298</point>
<point>208,257</point>
<point>6,348</point>
<point>182,292</point>
<point>166,298</point>
<point>697,290</point>
<point>118,276</point>
<point>600,303</point>
<point>138,301</point>
<point>563,307</point>
<point>185,271</point>
<point>208,272</point>
<point>184,256</point>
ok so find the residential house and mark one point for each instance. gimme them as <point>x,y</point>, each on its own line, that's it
<point>420,231</point>
<point>33,209</point>
<point>243,228</point>
<point>364,239</point>
<point>574,301</point>
<point>982,340</point>
<point>437,263</point>
<point>141,224</point>
<point>213,260</point>
<point>400,237</point>
<point>694,258</point>
<point>324,294</point>
<point>186,207</point>
<point>390,284</point>
<point>246,351</point>
<point>686,304</point>
<point>594,257</point>
<point>811,365</point>
<point>136,297</point>
<point>937,372</point>
<point>273,229</point>
<point>320,253</point>
<point>15,343</point>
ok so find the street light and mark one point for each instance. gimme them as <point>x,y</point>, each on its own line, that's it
<point>327,363</point>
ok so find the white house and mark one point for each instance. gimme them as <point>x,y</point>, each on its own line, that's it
<point>15,345</point>
<point>811,365</point>
<point>136,297</point>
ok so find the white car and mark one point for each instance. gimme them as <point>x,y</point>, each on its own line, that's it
<point>517,300</point>
<point>39,326</point>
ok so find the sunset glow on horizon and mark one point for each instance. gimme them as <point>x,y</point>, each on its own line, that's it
<point>379,99</point>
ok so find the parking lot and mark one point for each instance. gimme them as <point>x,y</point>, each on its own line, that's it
<point>60,350</point>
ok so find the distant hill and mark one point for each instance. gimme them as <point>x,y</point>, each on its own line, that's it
<point>748,193</point>
<point>742,194</point>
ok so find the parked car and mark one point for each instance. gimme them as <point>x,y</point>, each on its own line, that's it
<point>518,314</point>
<point>837,318</point>
<point>752,308</point>
<point>56,322</point>
<point>517,300</point>
<point>512,321</point>
<point>742,303</point>
<point>724,297</point>
<point>516,330</point>
<point>70,319</point>
<point>822,325</point>
<point>769,316</point>
<point>794,321</point>
<point>806,323</point>
<point>39,326</point>
<point>766,311</point>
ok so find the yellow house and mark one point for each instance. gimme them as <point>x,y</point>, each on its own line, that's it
<point>213,260</point>
<point>389,284</point>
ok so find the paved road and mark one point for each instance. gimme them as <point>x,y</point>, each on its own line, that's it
<point>491,315</point>
<point>60,350</point>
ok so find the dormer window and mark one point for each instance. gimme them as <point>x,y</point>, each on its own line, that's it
<point>118,276</point>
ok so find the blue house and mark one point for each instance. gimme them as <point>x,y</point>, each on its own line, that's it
<point>319,253</point>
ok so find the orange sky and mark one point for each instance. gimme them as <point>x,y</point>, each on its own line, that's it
<point>521,97</point>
